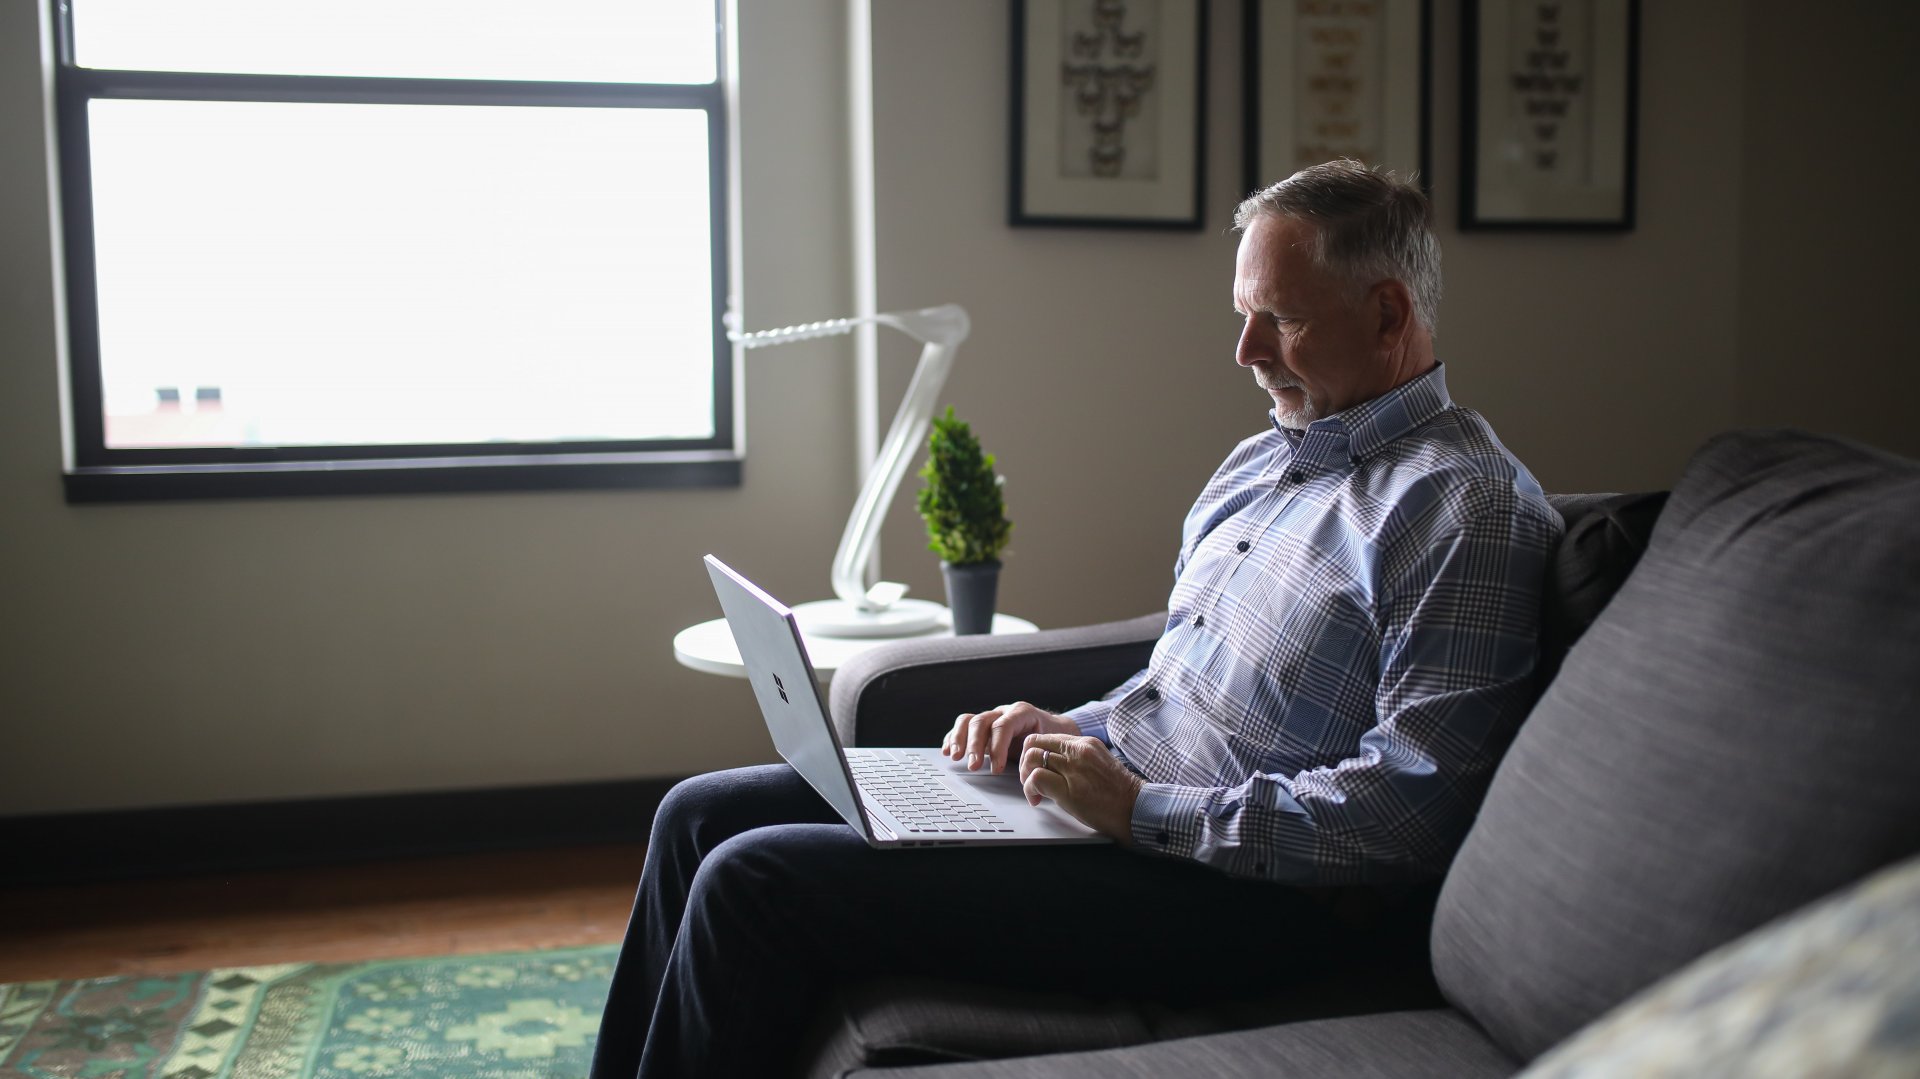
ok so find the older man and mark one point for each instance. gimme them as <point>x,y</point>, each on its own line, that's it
<point>1348,649</point>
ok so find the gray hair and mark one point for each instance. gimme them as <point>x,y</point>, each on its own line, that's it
<point>1369,226</point>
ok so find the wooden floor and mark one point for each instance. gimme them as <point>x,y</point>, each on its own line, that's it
<point>476,903</point>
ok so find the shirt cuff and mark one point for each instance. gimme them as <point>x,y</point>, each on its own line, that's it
<point>1164,816</point>
<point>1091,718</point>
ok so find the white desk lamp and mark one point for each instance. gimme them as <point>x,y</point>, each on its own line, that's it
<point>880,610</point>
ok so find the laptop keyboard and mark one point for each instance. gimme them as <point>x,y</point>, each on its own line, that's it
<point>910,789</point>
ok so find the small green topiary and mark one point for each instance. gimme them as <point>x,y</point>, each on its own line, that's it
<point>961,503</point>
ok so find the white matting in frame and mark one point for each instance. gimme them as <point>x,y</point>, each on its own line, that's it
<point>1108,96</point>
<point>1336,78</point>
<point>1551,127</point>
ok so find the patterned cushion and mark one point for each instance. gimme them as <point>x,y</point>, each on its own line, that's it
<point>1733,738</point>
<point>1833,990</point>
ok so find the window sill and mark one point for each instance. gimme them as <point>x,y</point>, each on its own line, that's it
<point>584,472</point>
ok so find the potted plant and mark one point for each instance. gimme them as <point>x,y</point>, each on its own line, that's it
<point>966,521</point>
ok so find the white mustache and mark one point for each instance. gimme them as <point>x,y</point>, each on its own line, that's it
<point>1275,379</point>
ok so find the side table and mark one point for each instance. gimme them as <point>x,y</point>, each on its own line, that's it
<point>709,646</point>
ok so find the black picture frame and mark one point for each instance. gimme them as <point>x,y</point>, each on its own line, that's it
<point>1550,96</point>
<point>1127,78</point>
<point>1357,76</point>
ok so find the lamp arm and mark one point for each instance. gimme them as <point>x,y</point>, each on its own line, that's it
<point>942,329</point>
<point>909,430</point>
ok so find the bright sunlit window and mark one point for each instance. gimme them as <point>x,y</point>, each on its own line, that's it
<point>631,41</point>
<point>341,245</point>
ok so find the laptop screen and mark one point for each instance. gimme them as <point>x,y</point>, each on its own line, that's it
<point>784,684</point>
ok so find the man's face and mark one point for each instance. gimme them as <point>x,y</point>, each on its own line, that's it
<point>1312,343</point>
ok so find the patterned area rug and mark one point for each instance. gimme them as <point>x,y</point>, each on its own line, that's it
<point>516,1015</point>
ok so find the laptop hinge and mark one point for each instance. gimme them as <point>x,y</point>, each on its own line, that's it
<point>879,827</point>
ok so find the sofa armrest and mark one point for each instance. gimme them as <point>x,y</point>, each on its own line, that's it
<point>908,693</point>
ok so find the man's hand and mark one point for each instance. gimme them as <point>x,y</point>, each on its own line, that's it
<point>1081,775</point>
<point>987,738</point>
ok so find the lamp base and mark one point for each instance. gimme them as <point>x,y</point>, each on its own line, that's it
<point>838,618</point>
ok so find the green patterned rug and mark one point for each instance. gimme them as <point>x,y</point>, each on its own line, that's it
<point>516,1015</point>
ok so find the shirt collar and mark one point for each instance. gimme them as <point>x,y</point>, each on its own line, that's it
<point>1358,432</point>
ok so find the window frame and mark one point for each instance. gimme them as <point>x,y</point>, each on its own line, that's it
<point>96,472</point>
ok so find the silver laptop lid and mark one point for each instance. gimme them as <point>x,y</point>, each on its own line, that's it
<point>783,681</point>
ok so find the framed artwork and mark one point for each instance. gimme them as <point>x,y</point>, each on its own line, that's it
<point>1336,78</point>
<point>1108,123</point>
<point>1549,97</point>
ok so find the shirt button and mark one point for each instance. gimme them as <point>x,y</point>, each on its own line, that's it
<point>1297,476</point>
<point>1199,620</point>
<point>1242,546</point>
<point>1159,837</point>
<point>1153,694</point>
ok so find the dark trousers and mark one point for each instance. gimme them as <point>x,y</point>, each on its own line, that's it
<point>757,900</point>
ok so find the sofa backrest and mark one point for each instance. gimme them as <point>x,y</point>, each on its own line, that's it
<point>1737,734</point>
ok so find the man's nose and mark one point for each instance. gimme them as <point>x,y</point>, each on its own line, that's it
<point>1251,349</point>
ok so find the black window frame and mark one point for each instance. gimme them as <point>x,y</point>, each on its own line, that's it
<point>97,473</point>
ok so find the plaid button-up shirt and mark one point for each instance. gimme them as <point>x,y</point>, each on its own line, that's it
<point>1349,647</point>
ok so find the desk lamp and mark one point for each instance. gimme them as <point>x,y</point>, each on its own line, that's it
<point>880,610</point>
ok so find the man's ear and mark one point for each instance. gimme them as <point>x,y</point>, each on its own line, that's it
<point>1391,304</point>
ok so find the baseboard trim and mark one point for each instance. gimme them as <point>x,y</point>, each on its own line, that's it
<point>72,848</point>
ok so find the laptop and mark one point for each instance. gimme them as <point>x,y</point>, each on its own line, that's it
<point>894,797</point>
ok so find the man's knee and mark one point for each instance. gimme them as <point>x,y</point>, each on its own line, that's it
<point>742,873</point>
<point>777,865</point>
<point>709,809</point>
<point>690,802</point>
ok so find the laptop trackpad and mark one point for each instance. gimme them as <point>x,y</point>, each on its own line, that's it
<point>996,788</point>
<point>1002,794</point>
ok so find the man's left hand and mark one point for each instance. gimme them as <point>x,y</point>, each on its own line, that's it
<point>1084,778</point>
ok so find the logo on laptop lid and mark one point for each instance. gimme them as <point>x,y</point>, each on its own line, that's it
<point>782,687</point>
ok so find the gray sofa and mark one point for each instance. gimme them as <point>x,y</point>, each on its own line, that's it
<point>1729,729</point>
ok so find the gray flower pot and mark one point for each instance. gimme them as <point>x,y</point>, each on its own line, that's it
<point>971,591</point>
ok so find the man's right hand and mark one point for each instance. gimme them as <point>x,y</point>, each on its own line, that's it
<point>990,738</point>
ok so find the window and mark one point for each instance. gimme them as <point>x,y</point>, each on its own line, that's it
<point>331,246</point>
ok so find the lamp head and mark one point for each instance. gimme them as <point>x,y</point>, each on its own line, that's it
<point>945,325</point>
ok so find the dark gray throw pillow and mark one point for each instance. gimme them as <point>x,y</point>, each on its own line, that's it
<point>1604,540</point>
<point>1737,734</point>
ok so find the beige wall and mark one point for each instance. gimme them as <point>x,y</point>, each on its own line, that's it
<point>222,651</point>
<point>1829,276</point>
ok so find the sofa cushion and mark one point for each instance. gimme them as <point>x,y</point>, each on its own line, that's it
<point>1390,1045</point>
<point>907,1022</point>
<point>903,1022</point>
<point>1831,990</point>
<point>1605,537</point>
<point>1734,737</point>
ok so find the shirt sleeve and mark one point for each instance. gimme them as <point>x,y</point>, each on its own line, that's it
<point>1459,626</point>
<point>1092,716</point>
